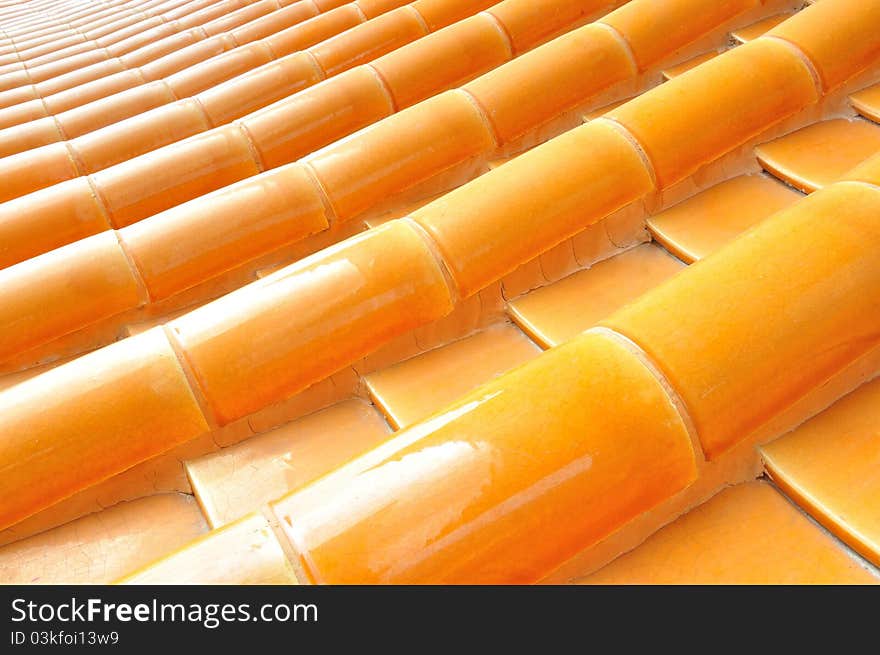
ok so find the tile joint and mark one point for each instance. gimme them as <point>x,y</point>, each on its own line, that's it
<point>655,370</point>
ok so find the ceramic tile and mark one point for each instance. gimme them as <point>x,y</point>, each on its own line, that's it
<point>240,479</point>
<point>416,388</point>
<point>830,465</point>
<point>748,534</point>
<point>556,313</point>
<point>705,222</point>
<point>820,153</point>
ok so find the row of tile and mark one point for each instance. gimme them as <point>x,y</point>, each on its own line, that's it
<point>234,373</point>
<point>136,36</point>
<point>290,206</point>
<point>139,47</point>
<point>158,73</point>
<point>59,63</point>
<point>437,531</point>
<point>175,250</point>
<point>20,35</point>
<point>168,123</point>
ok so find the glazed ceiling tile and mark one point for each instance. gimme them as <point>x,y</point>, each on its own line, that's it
<point>416,388</point>
<point>830,465</point>
<point>705,222</point>
<point>103,546</point>
<point>244,553</point>
<point>685,66</point>
<point>867,102</point>
<point>748,534</point>
<point>759,28</point>
<point>556,313</point>
<point>820,153</point>
<point>241,478</point>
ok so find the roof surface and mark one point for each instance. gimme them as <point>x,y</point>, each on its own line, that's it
<point>450,291</point>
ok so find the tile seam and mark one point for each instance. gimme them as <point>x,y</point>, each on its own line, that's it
<point>502,29</point>
<point>143,291</point>
<point>201,107</point>
<point>621,39</point>
<point>657,373</point>
<point>386,88</point>
<point>418,16</point>
<point>440,261</point>
<point>483,116</point>
<point>329,210</point>
<point>191,378</point>
<point>804,58</point>
<point>360,12</point>
<point>322,74</point>
<point>636,145</point>
<point>251,145</point>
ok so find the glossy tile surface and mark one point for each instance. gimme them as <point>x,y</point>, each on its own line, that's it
<point>685,66</point>
<point>243,553</point>
<point>820,153</point>
<point>706,221</point>
<point>506,483</point>
<point>867,102</point>
<point>241,478</point>
<point>759,28</point>
<point>748,534</point>
<point>556,313</point>
<point>415,389</point>
<point>831,467</point>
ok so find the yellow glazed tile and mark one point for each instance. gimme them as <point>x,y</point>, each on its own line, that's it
<point>416,388</point>
<point>867,102</point>
<point>831,466</point>
<point>703,223</point>
<point>748,534</point>
<point>753,31</point>
<point>558,312</point>
<point>504,485</point>
<point>239,479</point>
<point>685,66</point>
<point>244,552</point>
<point>820,153</point>
<point>100,547</point>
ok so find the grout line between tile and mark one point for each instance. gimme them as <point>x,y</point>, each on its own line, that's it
<point>673,395</point>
